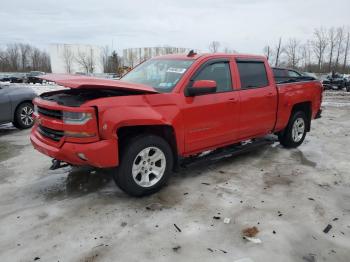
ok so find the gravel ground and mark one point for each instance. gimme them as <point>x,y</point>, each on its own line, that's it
<point>80,215</point>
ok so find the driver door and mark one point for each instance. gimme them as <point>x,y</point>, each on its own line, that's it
<point>210,119</point>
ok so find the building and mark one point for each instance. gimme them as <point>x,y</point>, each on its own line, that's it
<point>134,56</point>
<point>71,58</point>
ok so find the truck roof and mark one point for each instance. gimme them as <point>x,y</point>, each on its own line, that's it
<point>211,55</point>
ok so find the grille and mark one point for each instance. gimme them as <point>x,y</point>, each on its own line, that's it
<point>50,113</point>
<point>53,134</point>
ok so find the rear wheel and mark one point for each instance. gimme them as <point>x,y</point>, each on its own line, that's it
<point>145,166</point>
<point>295,132</point>
<point>24,116</point>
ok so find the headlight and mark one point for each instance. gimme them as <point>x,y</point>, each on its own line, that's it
<point>76,118</point>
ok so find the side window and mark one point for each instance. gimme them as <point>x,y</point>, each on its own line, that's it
<point>252,74</point>
<point>293,73</point>
<point>278,72</point>
<point>219,72</point>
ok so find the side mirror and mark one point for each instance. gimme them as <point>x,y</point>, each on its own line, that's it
<point>201,87</point>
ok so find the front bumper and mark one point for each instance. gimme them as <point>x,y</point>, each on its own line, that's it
<point>101,154</point>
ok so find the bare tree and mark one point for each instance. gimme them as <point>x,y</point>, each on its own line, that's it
<point>332,40</point>
<point>267,52</point>
<point>306,55</point>
<point>340,38</point>
<point>319,45</point>
<point>346,51</point>
<point>35,58</point>
<point>291,50</point>
<point>25,49</point>
<point>278,52</point>
<point>214,46</point>
<point>68,58</point>
<point>86,60</point>
<point>13,56</point>
<point>228,50</point>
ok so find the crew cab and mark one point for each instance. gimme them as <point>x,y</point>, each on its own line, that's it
<point>169,109</point>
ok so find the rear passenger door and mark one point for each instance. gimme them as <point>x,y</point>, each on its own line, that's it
<point>258,99</point>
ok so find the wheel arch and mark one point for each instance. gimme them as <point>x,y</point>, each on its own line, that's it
<point>167,132</point>
<point>305,107</point>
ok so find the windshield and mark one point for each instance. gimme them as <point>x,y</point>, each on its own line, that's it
<point>161,74</point>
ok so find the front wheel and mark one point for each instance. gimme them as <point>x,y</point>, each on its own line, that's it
<point>23,117</point>
<point>146,164</point>
<point>295,132</point>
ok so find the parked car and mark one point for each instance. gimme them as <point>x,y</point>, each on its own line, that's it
<point>283,75</point>
<point>33,77</point>
<point>4,78</point>
<point>168,111</point>
<point>16,106</point>
<point>335,81</point>
<point>17,78</point>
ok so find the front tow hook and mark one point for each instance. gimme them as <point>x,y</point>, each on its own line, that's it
<point>56,164</point>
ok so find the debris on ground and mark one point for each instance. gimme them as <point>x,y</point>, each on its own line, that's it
<point>335,219</point>
<point>310,198</point>
<point>327,229</point>
<point>123,224</point>
<point>250,231</point>
<point>210,249</point>
<point>36,258</point>
<point>177,248</point>
<point>274,232</point>
<point>178,229</point>
<point>205,183</point>
<point>216,217</point>
<point>154,207</point>
<point>253,240</point>
<point>223,251</point>
<point>310,258</point>
<point>227,220</point>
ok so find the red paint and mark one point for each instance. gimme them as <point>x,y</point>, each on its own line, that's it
<point>199,123</point>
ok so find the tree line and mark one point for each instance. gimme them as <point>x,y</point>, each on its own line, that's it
<point>20,57</point>
<point>327,50</point>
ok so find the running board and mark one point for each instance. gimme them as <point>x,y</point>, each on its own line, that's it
<point>225,152</point>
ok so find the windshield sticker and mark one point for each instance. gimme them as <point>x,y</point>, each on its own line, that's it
<point>165,84</point>
<point>176,70</point>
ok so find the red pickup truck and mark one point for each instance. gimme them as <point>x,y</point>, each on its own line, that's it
<point>169,109</point>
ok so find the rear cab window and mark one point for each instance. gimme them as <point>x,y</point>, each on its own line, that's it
<point>252,74</point>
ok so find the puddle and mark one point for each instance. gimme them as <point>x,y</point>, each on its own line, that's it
<point>78,182</point>
<point>8,150</point>
<point>303,160</point>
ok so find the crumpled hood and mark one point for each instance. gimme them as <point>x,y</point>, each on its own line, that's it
<point>87,82</point>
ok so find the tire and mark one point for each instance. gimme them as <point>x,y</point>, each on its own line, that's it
<point>292,136</point>
<point>140,158</point>
<point>23,117</point>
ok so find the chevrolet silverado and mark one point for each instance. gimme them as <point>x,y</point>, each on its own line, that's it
<point>169,109</point>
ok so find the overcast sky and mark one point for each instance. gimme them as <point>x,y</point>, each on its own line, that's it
<point>243,25</point>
